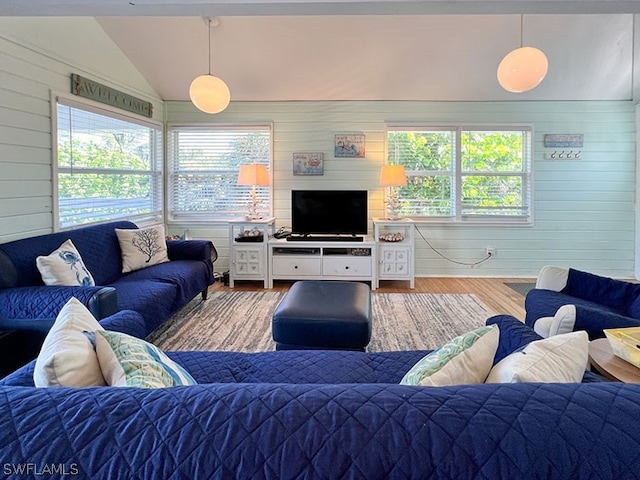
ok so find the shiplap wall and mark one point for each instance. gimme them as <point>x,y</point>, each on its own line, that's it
<point>583,209</point>
<point>37,56</point>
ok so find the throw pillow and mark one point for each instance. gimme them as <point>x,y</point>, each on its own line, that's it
<point>467,359</point>
<point>563,321</point>
<point>64,266</point>
<point>142,247</point>
<point>561,358</point>
<point>67,358</point>
<point>127,361</point>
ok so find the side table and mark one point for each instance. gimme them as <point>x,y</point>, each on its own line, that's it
<point>395,259</point>
<point>248,259</point>
<point>613,368</point>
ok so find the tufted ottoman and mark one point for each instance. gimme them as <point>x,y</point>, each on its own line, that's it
<point>323,315</point>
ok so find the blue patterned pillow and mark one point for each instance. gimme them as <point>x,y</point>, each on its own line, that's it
<point>467,359</point>
<point>64,266</point>
<point>127,361</point>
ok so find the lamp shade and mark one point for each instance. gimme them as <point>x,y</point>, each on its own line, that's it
<point>393,176</point>
<point>209,93</point>
<point>522,69</point>
<point>253,175</point>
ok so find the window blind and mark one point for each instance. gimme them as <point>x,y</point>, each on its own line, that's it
<point>204,162</point>
<point>108,167</point>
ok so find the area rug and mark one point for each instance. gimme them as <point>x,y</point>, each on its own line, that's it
<point>241,321</point>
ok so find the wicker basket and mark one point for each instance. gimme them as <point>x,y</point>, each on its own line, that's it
<point>625,343</point>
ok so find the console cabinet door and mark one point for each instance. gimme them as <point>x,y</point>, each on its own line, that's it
<point>247,261</point>
<point>394,261</point>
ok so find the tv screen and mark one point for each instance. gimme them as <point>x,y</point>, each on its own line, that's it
<point>329,211</point>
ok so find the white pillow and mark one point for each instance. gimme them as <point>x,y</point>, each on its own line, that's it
<point>142,247</point>
<point>552,278</point>
<point>467,359</point>
<point>561,359</point>
<point>67,357</point>
<point>563,321</point>
<point>127,361</point>
<point>64,266</point>
<point>543,326</point>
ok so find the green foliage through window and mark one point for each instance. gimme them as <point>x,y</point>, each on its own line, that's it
<point>464,174</point>
<point>108,168</point>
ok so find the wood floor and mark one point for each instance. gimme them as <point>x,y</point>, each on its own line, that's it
<point>491,291</point>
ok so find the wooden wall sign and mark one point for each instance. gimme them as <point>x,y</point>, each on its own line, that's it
<point>564,140</point>
<point>83,87</point>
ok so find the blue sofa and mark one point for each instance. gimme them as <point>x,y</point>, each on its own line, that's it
<point>567,299</point>
<point>155,292</point>
<point>324,415</point>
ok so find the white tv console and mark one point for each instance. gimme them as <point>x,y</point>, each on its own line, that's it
<point>322,260</point>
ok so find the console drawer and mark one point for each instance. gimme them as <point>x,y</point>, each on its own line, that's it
<point>347,266</point>
<point>296,266</point>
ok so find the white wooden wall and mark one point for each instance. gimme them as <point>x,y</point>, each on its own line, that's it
<point>37,56</point>
<point>584,209</point>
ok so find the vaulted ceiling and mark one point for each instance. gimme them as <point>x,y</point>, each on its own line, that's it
<point>367,49</point>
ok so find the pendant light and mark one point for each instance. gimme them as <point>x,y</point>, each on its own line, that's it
<point>208,92</point>
<point>522,69</point>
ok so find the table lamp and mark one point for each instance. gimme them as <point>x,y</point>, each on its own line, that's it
<point>253,175</point>
<point>393,176</point>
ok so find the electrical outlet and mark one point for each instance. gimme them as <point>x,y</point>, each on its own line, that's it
<point>490,251</point>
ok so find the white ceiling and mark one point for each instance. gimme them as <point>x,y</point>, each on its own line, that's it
<point>304,54</point>
<point>309,7</point>
<point>422,57</point>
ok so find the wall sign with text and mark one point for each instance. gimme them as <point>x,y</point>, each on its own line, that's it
<point>348,145</point>
<point>83,87</point>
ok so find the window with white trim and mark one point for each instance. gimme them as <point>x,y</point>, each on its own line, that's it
<point>109,166</point>
<point>463,174</point>
<point>204,162</point>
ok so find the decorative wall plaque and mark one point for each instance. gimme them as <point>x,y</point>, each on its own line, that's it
<point>311,163</point>
<point>83,87</point>
<point>563,140</point>
<point>349,145</point>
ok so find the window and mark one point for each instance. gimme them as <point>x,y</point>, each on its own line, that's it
<point>204,162</point>
<point>109,166</point>
<point>459,174</point>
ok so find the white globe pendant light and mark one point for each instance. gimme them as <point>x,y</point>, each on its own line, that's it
<point>522,69</point>
<point>208,92</point>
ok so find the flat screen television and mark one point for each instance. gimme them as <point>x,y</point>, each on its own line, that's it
<point>329,212</point>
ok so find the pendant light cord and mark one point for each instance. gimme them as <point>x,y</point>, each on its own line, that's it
<point>633,56</point>
<point>521,30</point>
<point>209,46</point>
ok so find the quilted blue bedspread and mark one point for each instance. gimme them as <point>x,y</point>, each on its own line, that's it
<point>321,415</point>
<point>286,431</point>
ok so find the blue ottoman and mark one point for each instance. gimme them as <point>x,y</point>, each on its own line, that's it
<point>323,315</point>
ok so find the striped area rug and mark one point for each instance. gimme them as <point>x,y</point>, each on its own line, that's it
<point>241,321</point>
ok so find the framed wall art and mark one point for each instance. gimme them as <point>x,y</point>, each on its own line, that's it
<point>349,145</point>
<point>308,163</point>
